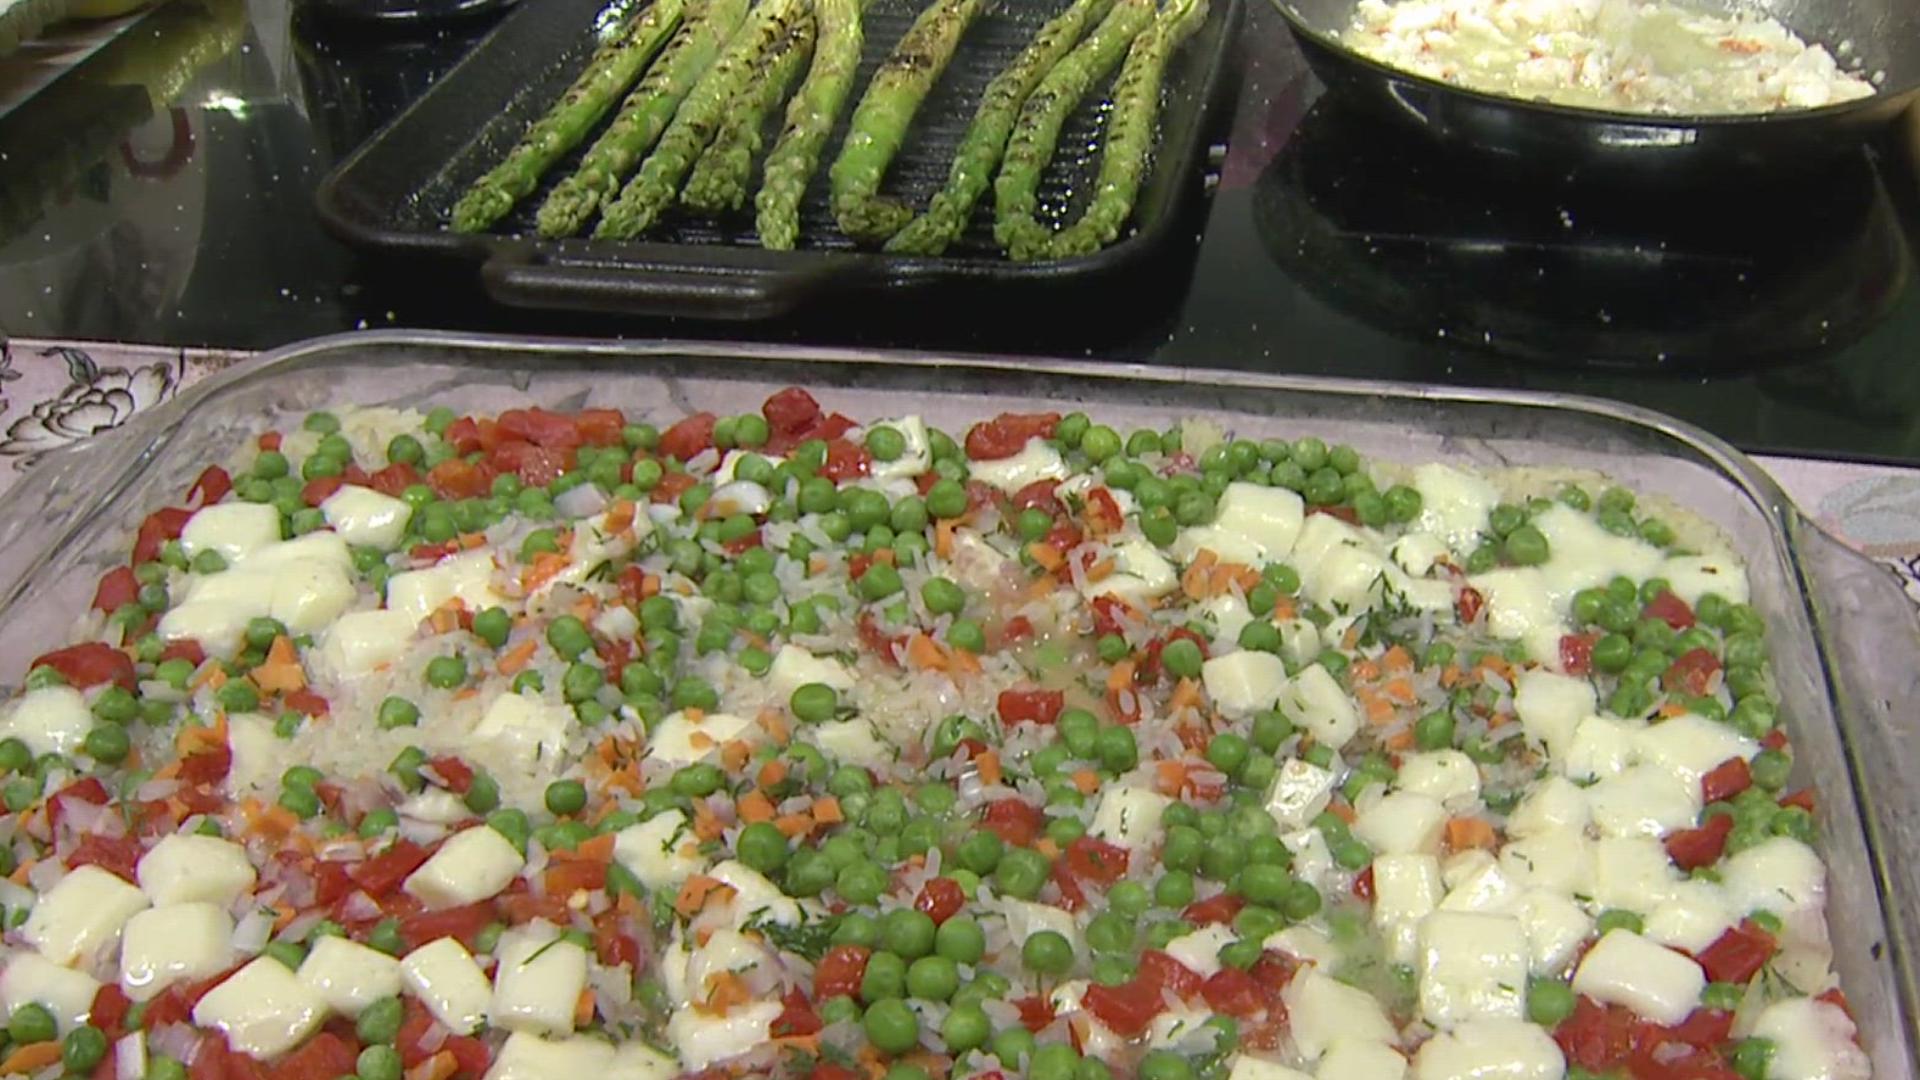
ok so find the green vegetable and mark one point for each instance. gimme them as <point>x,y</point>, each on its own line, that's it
<point>718,183</point>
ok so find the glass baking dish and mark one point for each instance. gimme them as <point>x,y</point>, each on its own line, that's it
<point>1845,639</point>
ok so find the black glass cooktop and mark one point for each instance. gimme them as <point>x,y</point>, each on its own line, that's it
<point>172,203</point>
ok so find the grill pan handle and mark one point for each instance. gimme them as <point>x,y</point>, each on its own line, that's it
<point>727,284</point>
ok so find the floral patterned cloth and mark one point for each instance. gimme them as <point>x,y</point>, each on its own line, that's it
<point>54,394</point>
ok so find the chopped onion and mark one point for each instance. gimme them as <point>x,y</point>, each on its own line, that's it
<point>360,907</point>
<point>177,1041</point>
<point>130,1056</point>
<point>583,501</point>
<point>154,790</point>
<point>253,931</point>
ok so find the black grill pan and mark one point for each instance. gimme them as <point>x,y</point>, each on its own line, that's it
<point>394,194</point>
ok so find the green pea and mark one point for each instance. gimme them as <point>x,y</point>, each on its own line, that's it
<point>698,780</point>
<point>1118,751</point>
<point>1164,1065</point>
<point>1617,919</point>
<point>1022,872</point>
<point>892,1027</point>
<point>981,851</point>
<point>1752,1056</point>
<point>569,637</point>
<point>1013,1045</point>
<point>1228,752</point>
<point>396,712</point>
<point>237,697</point>
<point>84,1048</point>
<point>967,635</point>
<point>961,940</point>
<point>379,1062</point>
<point>1526,545</point>
<point>1175,889</point>
<point>814,703</point>
<point>863,883</point>
<point>446,672</point>
<point>1047,952</point>
<point>1549,1002</point>
<point>966,1028</point>
<point>108,743</point>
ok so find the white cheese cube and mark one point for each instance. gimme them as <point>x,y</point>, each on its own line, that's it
<point>1300,791</point>
<point>1323,1010</point>
<point>1140,574</point>
<point>1632,873</point>
<point>525,727</point>
<point>527,1056</point>
<point>1491,1050</point>
<point>1812,1040</point>
<point>1349,578</point>
<point>705,1040</point>
<point>681,740</point>
<point>635,1060</point>
<point>188,866</point>
<point>259,756</point>
<point>1317,702</point>
<point>1447,775</point>
<point>1472,967</point>
<point>1181,1028</point>
<point>367,518</point>
<point>1305,944</point>
<point>263,1009</point>
<point>1780,875</point>
<point>444,977</point>
<point>1520,606</point>
<point>1551,706</point>
<point>1320,536</point>
<point>725,952</point>
<point>467,578</point>
<point>1554,804</point>
<point>1586,555</point>
<point>1361,1059</point>
<point>1560,861</point>
<point>1690,577</point>
<point>307,597</point>
<point>740,497</point>
<point>1035,461</point>
<point>1254,524</point>
<point>1475,882</point>
<point>537,983</point>
<point>1244,682</point>
<point>1299,641</point>
<point>660,851</point>
<point>1312,858</point>
<point>1228,614</point>
<point>853,742</point>
<point>1652,980</point>
<point>80,918</point>
<point>1689,747</point>
<point>1415,553</point>
<point>1200,950</point>
<point>1402,822</point>
<point>794,667</point>
<point>349,976</point>
<point>32,979</point>
<point>1692,919</point>
<point>754,896</point>
<point>473,865</point>
<point>1602,746</point>
<point>1643,800</point>
<point>234,530</point>
<point>361,642</point>
<point>164,945</point>
<point>1025,919</point>
<point>914,459</point>
<point>50,720</point>
<point>1129,816</point>
<point>1556,928</point>
<point>1248,1067</point>
<point>1454,503</point>
<point>1406,888</point>
<point>436,806</point>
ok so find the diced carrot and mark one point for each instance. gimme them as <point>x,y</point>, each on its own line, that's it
<point>705,825</point>
<point>1379,709</point>
<point>792,825</point>
<point>1283,607</point>
<point>1450,676</point>
<point>517,657</point>
<point>700,740</point>
<point>282,915</point>
<point>1101,570</point>
<point>210,675</point>
<point>989,766</point>
<point>884,555</point>
<point>1046,556</point>
<point>546,566</point>
<point>597,850</point>
<point>1363,670</point>
<point>627,778</point>
<point>619,516</point>
<point>925,653</point>
<point>1087,781</point>
<point>1470,832</point>
<point>471,541</point>
<point>1342,811</point>
<point>583,1008</point>
<point>1195,581</point>
<point>1397,660</point>
<point>649,586</point>
<point>1121,677</point>
<point>445,619</point>
<point>274,821</point>
<point>817,564</point>
<point>734,755</point>
<point>1498,665</point>
<point>772,773</point>
<point>693,895</point>
<point>1186,695</point>
<point>1670,709</point>
<point>1401,740</point>
<point>1400,691</point>
<point>1499,720</point>
<point>1169,777</point>
<point>943,538</point>
<point>776,724</point>
<point>1351,638</point>
<point>31,1058</point>
<point>725,990</point>
<point>441,1066</point>
<point>964,662</point>
<point>280,673</point>
<point>1047,847</point>
<point>755,806</point>
<point>19,875</point>
<point>826,810</point>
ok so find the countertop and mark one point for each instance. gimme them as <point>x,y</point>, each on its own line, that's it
<point>1782,317</point>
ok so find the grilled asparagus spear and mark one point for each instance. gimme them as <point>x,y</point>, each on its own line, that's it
<point>1129,136</point>
<point>1016,189</point>
<point>886,110</point>
<point>643,116</point>
<point>614,67</point>
<point>653,188</point>
<point>986,137</point>
<point>719,181</point>
<point>809,120</point>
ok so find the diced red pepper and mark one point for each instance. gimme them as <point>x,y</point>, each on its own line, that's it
<point>1774,740</point>
<point>457,774</point>
<point>1037,496</point>
<point>1692,673</point>
<point>789,413</point>
<point>1017,822</point>
<point>686,439</point>
<point>1576,653</point>
<point>1274,970</point>
<point>1363,885</point>
<point>1693,848</point>
<point>1007,434</point>
<point>846,461</point>
<point>89,664</point>
<point>307,703</point>
<point>1802,799</point>
<point>463,435</point>
<point>536,466</point>
<point>268,440</point>
<point>600,427</point>
<point>940,899</point>
<point>613,946</point>
<point>827,1070</point>
<point>109,1012</point>
<point>206,767</point>
<point>742,544</point>
<point>1102,512</point>
<point>457,478</point>
<point>384,872</point>
<point>1031,706</point>
<point>470,1056</point>
<point>796,1016</point>
<point>1127,1009</point>
<point>1234,992</point>
<point>211,486</point>
<point>320,489</point>
<point>1669,609</point>
<point>326,1056</point>
<point>396,478</point>
<point>1729,778</point>
<point>1036,1012</point>
<point>118,588</point>
<point>1469,604</point>
<point>89,790</point>
<point>1163,972</point>
<point>117,855</point>
<point>462,923</point>
<point>1214,909</point>
<point>1738,955</point>
<point>840,971</point>
<point>1096,860</point>
<point>1596,1037</point>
